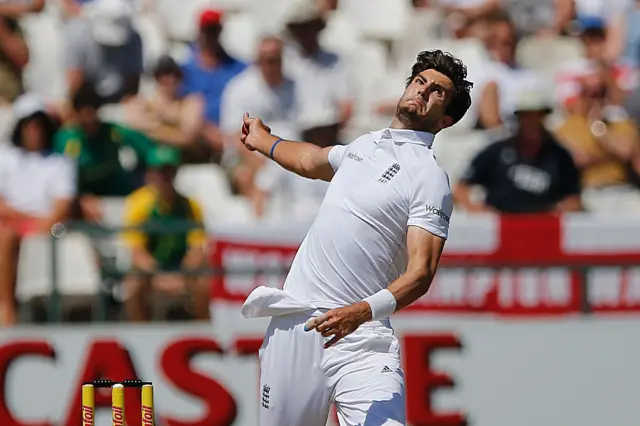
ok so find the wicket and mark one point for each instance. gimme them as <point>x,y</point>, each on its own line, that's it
<point>117,401</point>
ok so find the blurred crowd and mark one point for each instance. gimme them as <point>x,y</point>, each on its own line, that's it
<point>554,121</point>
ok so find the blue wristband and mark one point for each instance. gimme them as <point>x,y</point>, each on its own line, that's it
<point>273,147</point>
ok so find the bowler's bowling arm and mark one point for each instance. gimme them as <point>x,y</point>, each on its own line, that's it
<point>424,250</point>
<point>302,158</point>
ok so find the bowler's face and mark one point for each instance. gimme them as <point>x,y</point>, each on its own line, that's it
<point>426,99</point>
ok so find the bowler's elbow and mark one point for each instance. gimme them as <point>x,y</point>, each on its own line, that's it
<point>422,278</point>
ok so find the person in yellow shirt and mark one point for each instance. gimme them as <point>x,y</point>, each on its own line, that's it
<point>167,241</point>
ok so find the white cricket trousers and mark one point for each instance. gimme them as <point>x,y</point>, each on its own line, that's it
<point>300,379</point>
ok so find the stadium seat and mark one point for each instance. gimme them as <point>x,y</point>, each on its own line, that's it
<point>236,209</point>
<point>455,150</point>
<point>45,71</point>
<point>154,42</point>
<point>78,272</point>
<point>379,19</point>
<point>113,210</point>
<point>367,67</point>
<point>230,5</point>
<point>548,54</point>
<point>180,18</point>
<point>340,35</point>
<point>268,16</point>
<point>180,51</point>
<point>422,29</point>
<point>240,36</point>
<point>207,184</point>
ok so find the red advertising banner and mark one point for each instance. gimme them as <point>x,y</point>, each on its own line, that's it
<point>508,265</point>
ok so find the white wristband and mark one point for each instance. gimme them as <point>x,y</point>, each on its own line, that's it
<point>383,304</point>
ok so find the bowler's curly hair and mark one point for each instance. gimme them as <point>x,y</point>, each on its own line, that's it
<point>452,67</point>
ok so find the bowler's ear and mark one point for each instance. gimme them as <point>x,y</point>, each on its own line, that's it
<point>446,122</point>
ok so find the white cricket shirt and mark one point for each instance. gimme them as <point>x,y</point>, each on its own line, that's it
<point>31,182</point>
<point>385,181</point>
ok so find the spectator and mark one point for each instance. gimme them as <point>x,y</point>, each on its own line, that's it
<point>208,71</point>
<point>172,255</point>
<point>527,173</point>
<point>593,37</point>
<point>262,90</point>
<point>322,87</point>
<point>602,140</point>
<point>615,15</point>
<point>166,116</point>
<point>96,146</point>
<point>36,189</point>
<point>14,52</point>
<point>104,50</point>
<point>503,78</point>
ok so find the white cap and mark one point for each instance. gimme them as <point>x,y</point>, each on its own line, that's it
<point>533,95</point>
<point>27,105</point>
<point>110,21</point>
<point>532,101</point>
<point>302,11</point>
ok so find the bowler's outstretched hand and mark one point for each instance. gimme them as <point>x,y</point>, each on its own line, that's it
<point>252,130</point>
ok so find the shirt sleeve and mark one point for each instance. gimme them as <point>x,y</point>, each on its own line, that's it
<point>431,202</point>
<point>336,156</point>
<point>64,186</point>
<point>135,214</point>
<point>196,237</point>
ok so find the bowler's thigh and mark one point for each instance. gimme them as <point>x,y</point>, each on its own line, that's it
<point>293,390</point>
<point>369,387</point>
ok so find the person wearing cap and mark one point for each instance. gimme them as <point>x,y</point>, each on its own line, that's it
<point>527,173</point>
<point>96,146</point>
<point>323,90</point>
<point>209,70</point>
<point>103,49</point>
<point>165,258</point>
<point>36,190</point>
<point>168,117</point>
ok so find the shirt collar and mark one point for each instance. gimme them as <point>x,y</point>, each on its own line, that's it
<point>402,136</point>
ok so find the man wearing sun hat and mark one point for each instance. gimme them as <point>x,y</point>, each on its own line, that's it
<point>526,173</point>
<point>104,49</point>
<point>167,256</point>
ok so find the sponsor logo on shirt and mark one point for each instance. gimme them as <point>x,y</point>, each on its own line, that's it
<point>355,157</point>
<point>265,396</point>
<point>436,211</point>
<point>389,173</point>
